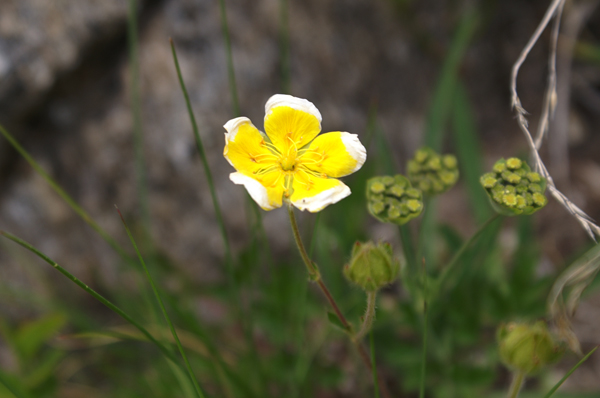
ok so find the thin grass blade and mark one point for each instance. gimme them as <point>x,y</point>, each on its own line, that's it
<point>569,373</point>
<point>167,353</point>
<point>164,311</point>
<point>72,204</point>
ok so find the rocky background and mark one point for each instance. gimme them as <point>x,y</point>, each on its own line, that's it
<point>65,95</point>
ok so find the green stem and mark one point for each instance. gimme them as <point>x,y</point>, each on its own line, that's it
<point>136,111</point>
<point>369,316</point>
<point>164,311</point>
<point>204,160</point>
<point>408,248</point>
<point>516,384</point>
<point>424,353</point>
<point>375,378</point>
<point>230,68</point>
<point>455,260</point>
<point>315,276</point>
<point>284,32</point>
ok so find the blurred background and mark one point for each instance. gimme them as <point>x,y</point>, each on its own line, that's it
<point>387,70</point>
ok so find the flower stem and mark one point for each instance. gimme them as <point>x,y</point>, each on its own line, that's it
<point>315,276</point>
<point>369,316</point>
<point>516,385</point>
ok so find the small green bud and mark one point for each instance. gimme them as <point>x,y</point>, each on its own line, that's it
<point>398,202</point>
<point>372,266</point>
<point>387,180</point>
<point>511,187</point>
<point>432,172</point>
<point>377,187</point>
<point>514,163</point>
<point>527,348</point>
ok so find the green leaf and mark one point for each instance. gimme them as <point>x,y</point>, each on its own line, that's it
<point>30,337</point>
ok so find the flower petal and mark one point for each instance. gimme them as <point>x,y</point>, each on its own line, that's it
<point>315,193</point>
<point>335,154</point>
<point>245,147</point>
<point>266,192</point>
<point>291,121</point>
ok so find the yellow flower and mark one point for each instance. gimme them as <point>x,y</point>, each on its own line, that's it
<point>291,162</point>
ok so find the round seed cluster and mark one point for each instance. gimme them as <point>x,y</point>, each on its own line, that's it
<point>393,199</point>
<point>431,172</point>
<point>513,188</point>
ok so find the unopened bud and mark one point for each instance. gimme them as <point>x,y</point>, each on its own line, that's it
<point>431,172</point>
<point>372,266</point>
<point>513,188</point>
<point>393,199</point>
<point>528,348</point>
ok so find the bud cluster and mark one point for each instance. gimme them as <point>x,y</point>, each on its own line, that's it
<point>431,172</point>
<point>528,348</point>
<point>393,199</point>
<point>372,266</point>
<point>513,188</point>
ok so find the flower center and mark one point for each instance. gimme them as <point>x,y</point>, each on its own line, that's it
<point>288,162</point>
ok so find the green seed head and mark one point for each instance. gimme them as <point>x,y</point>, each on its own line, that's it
<point>397,203</point>
<point>511,187</point>
<point>432,172</point>
<point>372,266</point>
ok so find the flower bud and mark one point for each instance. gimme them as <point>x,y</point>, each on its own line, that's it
<point>371,266</point>
<point>527,348</point>
<point>393,199</point>
<point>513,189</point>
<point>431,172</point>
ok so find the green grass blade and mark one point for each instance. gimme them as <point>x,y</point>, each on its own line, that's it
<point>449,268</point>
<point>374,367</point>
<point>92,292</point>
<point>284,46</point>
<point>424,352</point>
<point>136,113</point>
<point>469,152</point>
<point>72,204</point>
<point>200,146</point>
<point>164,311</point>
<point>444,92</point>
<point>569,373</point>
<point>16,391</point>
<point>230,69</point>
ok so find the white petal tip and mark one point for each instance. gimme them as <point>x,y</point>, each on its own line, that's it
<point>355,148</point>
<point>233,126</point>
<point>256,190</point>
<point>300,104</point>
<point>322,200</point>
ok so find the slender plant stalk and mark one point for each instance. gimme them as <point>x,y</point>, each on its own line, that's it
<point>424,353</point>
<point>200,146</point>
<point>565,377</point>
<point>515,386</point>
<point>374,366</point>
<point>167,353</point>
<point>455,259</point>
<point>70,202</point>
<point>315,276</point>
<point>230,69</point>
<point>136,111</point>
<point>284,45</point>
<point>408,248</point>
<point>369,316</point>
<point>164,311</point>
